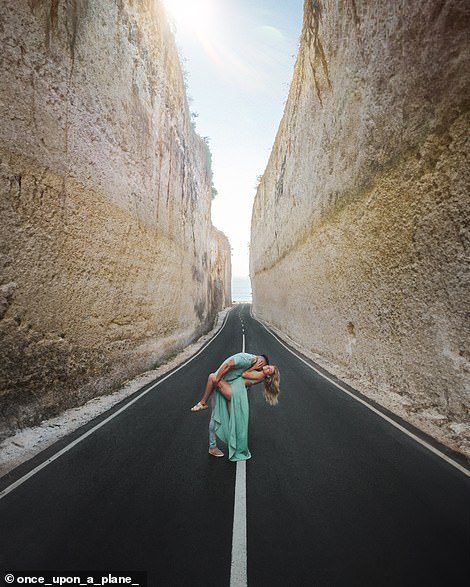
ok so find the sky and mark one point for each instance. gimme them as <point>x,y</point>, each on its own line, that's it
<point>239,58</point>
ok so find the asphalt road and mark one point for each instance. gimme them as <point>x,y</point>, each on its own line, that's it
<point>336,495</point>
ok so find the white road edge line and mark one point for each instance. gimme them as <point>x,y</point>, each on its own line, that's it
<point>33,472</point>
<point>378,412</point>
<point>238,567</point>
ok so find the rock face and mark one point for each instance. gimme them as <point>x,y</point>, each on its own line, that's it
<point>360,228</point>
<point>109,261</point>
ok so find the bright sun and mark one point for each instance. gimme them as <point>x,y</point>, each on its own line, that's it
<point>191,16</point>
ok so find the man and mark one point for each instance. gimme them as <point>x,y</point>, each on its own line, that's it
<point>230,369</point>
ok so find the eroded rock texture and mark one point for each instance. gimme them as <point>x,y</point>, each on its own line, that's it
<point>360,228</point>
<point>109,262</point>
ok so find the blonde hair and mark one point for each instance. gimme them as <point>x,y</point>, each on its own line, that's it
<point>271,388</point>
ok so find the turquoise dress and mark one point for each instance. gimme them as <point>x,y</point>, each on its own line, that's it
<point>233,428</point>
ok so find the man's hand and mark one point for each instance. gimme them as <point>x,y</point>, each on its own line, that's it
<point>259,363</point>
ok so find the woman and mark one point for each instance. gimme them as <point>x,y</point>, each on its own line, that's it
<point>230,369</point>
<point>231,409</point>
<point>269,374</point>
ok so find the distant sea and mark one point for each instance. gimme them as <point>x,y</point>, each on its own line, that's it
<point>241,289</point>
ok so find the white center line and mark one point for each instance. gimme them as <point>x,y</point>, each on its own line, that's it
<point>238,571</point>
<point>238,568</point>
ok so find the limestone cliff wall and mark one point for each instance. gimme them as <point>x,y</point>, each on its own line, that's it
<point>360,227</point>
<point>109,261</point>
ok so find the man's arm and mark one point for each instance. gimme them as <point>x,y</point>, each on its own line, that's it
<point>226,367</point>
<point>253,374</point>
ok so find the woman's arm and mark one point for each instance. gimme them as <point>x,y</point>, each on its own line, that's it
<point>257,375</point>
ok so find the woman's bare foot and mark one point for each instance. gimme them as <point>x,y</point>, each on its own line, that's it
<point>216,452</point>
<point>199,407</point>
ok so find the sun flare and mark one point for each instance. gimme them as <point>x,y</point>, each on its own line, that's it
<point>191,16</point>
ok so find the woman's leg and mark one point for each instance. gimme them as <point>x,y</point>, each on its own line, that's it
<point>210,386</point>
<point>225,389</point>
